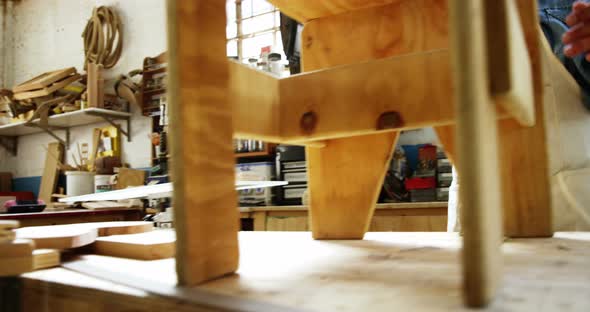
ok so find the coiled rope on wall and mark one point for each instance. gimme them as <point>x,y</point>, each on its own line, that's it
<point>103,38</point>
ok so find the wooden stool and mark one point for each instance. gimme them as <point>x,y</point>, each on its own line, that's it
<point>372,68</point>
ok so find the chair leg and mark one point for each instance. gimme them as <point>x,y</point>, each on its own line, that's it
<point>206,218</point>
<point>477,152</point>
<point>345,178</point>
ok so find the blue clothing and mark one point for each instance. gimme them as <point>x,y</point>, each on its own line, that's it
<point>552,15</point>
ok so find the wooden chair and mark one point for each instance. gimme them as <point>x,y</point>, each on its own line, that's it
<point>371,68</point>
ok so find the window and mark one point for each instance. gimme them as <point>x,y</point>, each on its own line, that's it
<point>252,25</point>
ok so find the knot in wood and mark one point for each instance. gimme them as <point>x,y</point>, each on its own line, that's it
<point>308,122</point>
<point>389,120</point>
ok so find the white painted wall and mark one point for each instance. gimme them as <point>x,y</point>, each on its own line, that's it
<point>6,22</point>
<point>46,35</point>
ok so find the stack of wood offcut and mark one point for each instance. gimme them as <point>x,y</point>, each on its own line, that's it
<point>53,92</point>
<point>18,255</point>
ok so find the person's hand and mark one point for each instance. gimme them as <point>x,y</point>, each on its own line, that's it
<point>577,38</point>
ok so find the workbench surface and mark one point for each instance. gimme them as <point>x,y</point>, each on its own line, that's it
<point>382,206</point>
<point>283,271</point>
<point>67,216</point>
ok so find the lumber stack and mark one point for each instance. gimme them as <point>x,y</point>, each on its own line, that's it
<point>49,93</point>
<point>16,255</point>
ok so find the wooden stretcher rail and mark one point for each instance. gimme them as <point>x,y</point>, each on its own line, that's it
<point>402,92</point>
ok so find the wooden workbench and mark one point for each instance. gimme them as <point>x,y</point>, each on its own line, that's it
<point>390,217</point>
<point>290,271</point>
<point>67,216</point>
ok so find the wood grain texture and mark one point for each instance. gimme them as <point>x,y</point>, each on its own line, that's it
<point>508,62</point>
<point>477,152</point>
<point>58,236</point>
<point>254,95</point>
<point>8,225</point>
<point>48,90</point>
<point>344,180</point>
<point>16,248</point>
<point>343,192</point>
<point>204,199</point>
<point>78,235</point>
<point>44,80</point>
<point>398,28</point>
<point>349,100</point>
<point>45,258</point>
<point>260,218</point>
<point>152,245</point>
<point>306,10</point>
<point>406,271</point>
<point>16,265</point>
<point>409,224</point>
<point>130,177</point>
<point>524,150</point>
<point>55,154</point>
<point>119,228</point>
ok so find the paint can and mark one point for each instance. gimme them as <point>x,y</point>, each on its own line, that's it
<point>79,183</point>
<point>102,183</point>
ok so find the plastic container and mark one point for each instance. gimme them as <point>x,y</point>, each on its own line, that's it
<point>79,183</point>
<point>102,183</point>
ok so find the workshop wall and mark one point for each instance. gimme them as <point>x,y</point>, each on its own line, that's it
<point>5,29</point>
<point>46,35</point>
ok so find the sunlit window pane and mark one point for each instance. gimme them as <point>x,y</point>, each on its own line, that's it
<point>258,23</point>
<point>232,48</point>
<point>261,6</point>
<point>251,46</point>
<point>230,10</point>
<point>231,30</point>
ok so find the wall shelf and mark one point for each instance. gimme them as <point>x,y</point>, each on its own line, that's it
<point>62,122</point>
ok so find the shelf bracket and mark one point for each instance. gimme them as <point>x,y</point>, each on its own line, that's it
<point>111,121</point>
<point>10,143</point>
<point>51,132</point>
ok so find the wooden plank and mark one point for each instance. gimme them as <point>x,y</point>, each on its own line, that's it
<point>144,246</point>
<point>342,193</point>
<point>525,150</point>
<point>119,228</point>
<point>204,199</point>
<point>44,80</point>
<point>287,224</point>
<point>344,180</point>
<point>78,235</point>
<point>259,220</point>
<point>7,236</point>
<point>476,124</point>
<point>55,154</point>
<point>47,90</point>
<point>409,224</point>
<point>95,87</point>
<point>16,248</point>
<point>255,98</point>
<point>332,97</point>
<point>306,10</point>
<point>8,224</point>
<point>509,62</point>
<point>13,266</point>
<point>58,236</point>
<point>420,271</point>
<point>398,28</point>
<point>130,177</point>
<point>45,258</point>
